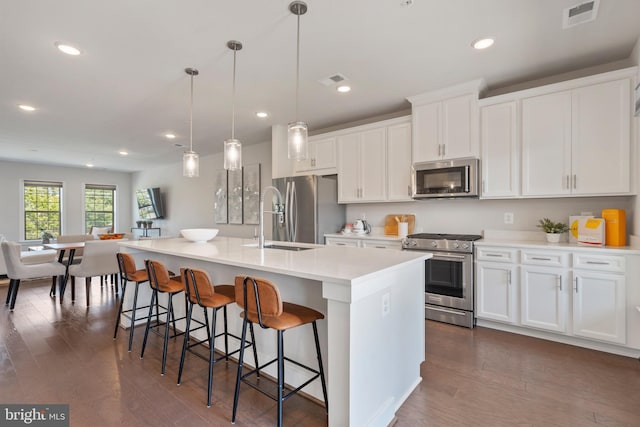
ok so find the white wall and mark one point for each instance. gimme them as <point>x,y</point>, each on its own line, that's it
<point>472,216</point>
<point>73,179</point>
<point>189,201</point>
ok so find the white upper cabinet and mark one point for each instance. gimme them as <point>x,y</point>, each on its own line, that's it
<point>399,162</point>
<point>322,156</point>
<point>577,142</point>
<point>445,123</point>
<point>362,166</point>
<point>500,157</point>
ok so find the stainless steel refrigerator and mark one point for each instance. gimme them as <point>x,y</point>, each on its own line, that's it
<point>311,209</point>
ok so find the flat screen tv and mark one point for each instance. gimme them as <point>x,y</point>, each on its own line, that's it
<point>150,203</point>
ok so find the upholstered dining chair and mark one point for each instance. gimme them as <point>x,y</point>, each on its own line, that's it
<point>99,259</point>
<point>18,270</point>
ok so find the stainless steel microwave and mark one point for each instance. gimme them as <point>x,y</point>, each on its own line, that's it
<point>445,179</point>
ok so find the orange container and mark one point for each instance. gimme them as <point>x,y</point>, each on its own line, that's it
<point>615,227</point>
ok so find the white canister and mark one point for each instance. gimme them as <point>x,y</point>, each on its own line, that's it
<point>403,229</point>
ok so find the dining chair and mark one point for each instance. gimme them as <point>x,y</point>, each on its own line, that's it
<point>99,259</point>
<point>18,270</point>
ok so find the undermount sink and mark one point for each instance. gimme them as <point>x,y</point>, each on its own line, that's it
<point>286,248</point>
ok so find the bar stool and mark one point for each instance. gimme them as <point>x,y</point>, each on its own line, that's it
<point>262,305</point>
<point>129,273</point>
<point>200,291</point>
<point>161,281</point>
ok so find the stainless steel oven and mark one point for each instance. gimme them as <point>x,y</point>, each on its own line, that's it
<point>448,276</point>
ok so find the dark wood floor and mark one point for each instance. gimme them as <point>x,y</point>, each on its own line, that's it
<point>65,354</point>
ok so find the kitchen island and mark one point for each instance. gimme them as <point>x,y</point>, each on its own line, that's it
<point>372,337</point>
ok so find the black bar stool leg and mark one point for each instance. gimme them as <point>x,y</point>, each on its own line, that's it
<point>255,349</point>
<point>166,332</point>
<point>212,355</point>
<point>243,337</point>
<point>320,367</point>
<point>115,329</point>
<point>226,334</point>
<point>185,342</point>
<point>280,376</point>
<point>134,310</point>
<point>206,321</point>
<point>146,331</point>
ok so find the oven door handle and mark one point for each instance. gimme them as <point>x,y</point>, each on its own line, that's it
<point>445,257</point>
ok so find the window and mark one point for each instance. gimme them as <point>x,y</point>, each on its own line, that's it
<point>42,208</point>
<point>99,206</point>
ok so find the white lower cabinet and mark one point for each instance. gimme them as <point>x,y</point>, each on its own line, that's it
<point>543,298</point>
<point>599,306</point>
<point>496,291</point>
<point>573,293</point>
<point>365,242</point>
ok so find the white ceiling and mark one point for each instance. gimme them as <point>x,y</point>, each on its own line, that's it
<point>129,87</point>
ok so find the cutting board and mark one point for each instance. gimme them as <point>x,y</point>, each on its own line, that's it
<point>391,225</point>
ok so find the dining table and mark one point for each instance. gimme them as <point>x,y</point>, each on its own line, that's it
<point>62,248</point>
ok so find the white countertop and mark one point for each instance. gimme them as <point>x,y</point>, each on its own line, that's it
<point>528,244</point>
<point>365,236</point>
<point>338,264</point>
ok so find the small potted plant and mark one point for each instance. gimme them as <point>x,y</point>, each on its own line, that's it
<point>46,237</point>
<point>553,229</point>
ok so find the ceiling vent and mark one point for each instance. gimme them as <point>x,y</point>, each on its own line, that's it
<point>331,80</point>
<point>580,14</point>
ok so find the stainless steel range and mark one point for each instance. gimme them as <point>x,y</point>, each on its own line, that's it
<point>448,275</point>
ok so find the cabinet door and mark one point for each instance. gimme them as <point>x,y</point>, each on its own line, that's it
<point>546,144</point>
<point>399,162</point>
<point>496,291</point>
<point>599,306</point>
<point>426,141</point>
<point>458,139</point>
<point>333,241</point>
<point>601,138</point>
<point>543,302</point>
<point>322,155</point>
<point>348,168</point>
<point>499,145</point>
<point>373,171</point>
<point>381,244</point>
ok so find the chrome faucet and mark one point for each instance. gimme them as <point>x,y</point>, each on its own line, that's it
<point>278,211</point>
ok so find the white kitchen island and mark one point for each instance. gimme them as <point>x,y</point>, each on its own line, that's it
<point>372,337</point>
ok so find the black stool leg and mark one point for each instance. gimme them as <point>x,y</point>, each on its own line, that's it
<point>166,332</point>
<point>185,344</point>
<point>87,287</point>
<point>226,334</point>
<point>52,292</point>
<point>115,329</point>
<point>280,376</point>
<point>10,291</point>
<point>243,336</point>
<point>14,295</point>
<point>320,367</point>
<point>212,357</point>
<point>133,314</point>
<point>255,350</point>
<point>154,296</point>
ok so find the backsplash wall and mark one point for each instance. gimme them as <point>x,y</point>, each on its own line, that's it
<point>472,216</point>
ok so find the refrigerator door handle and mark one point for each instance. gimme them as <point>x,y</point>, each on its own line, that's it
<point>293,216</point>
<point>287,217</point>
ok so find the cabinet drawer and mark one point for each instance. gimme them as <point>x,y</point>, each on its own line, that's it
<point>341,242</point>
<point>496,254</point>
<point>381,244</point>
<point>599,262</point>
<point>549,259</point>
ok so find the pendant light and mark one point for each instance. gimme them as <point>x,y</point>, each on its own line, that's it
<point>233,147</point>
<point>190,160</point>
<point>297,131</point>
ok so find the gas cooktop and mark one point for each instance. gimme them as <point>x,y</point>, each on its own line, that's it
<point>435,236</point>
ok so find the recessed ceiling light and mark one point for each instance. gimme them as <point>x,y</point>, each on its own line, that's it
<point>89,165</point>
<point>483,43</point>
<point>344,88</point>
<point>261,114</point>
<point>123,153</point>
<point>169,136</point>
<point>68,49</point>
<point>25,107</point>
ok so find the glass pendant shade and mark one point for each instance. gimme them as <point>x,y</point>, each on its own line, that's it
<point>298,148</point>
<point>232,154</point>
<point>190,164</point>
